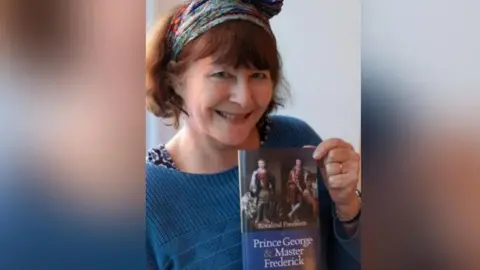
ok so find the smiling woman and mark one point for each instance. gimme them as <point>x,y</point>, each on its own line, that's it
<point>216,66</point>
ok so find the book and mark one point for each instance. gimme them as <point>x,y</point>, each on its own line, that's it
<point>279,209</point>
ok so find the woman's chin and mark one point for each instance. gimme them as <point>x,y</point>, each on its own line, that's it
<point>235,140</point>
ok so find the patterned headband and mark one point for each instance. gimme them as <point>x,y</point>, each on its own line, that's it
<point>198,16</point>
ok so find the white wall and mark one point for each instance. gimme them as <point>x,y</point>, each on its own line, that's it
<point>320,46</point>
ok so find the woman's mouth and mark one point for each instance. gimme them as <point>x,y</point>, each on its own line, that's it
<point>233,117</point>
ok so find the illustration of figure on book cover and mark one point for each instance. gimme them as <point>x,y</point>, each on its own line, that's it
<point>281,192</point>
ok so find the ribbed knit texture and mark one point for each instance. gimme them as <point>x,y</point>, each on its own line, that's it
<point>193,220</point>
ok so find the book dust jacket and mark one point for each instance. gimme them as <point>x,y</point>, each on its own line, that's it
<point>279,209</point>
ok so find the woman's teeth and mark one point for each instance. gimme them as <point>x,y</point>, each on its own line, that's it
<point>232,116</point>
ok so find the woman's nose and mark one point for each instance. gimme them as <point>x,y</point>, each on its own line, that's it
<point>242,93</point>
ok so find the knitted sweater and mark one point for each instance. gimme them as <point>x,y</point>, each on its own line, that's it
<point>193,220</point>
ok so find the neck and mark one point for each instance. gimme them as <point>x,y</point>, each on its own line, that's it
<point>201,154</point>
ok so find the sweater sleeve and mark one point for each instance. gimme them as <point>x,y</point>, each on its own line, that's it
<point>158,257</point>
<point>351,244</point>
<point>151,262</point>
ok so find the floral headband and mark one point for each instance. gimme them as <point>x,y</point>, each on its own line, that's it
<point>198,16</point>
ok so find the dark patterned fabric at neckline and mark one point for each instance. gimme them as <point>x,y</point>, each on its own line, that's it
<point>159,155</point>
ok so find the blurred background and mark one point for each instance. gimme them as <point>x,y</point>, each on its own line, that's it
<point>72,134</point>
<point>420,134</point>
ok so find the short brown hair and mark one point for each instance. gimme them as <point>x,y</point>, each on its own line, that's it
<point>234,43</point>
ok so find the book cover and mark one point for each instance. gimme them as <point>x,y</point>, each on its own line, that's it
<point>279,209</point>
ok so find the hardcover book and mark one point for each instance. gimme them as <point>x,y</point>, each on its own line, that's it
<point>279,209</point>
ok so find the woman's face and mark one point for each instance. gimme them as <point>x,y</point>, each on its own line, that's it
<point>225,103</point>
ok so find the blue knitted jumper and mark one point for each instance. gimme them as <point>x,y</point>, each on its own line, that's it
<point>193,220</point>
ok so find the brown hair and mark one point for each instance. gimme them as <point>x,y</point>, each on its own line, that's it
<point>234,43</point>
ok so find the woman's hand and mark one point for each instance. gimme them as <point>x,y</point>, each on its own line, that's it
<point>340,167</point>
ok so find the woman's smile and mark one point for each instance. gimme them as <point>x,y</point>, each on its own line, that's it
<point>233,118</point>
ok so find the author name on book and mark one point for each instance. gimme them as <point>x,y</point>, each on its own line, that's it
<point>278,225</point>
<point>283,252</point>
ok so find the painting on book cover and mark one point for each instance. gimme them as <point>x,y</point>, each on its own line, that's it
<point>278,189</point>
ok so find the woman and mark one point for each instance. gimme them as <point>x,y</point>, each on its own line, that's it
<point>216,65</point>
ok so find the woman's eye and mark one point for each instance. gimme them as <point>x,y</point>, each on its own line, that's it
<point>221,75</point>
<point>259,75</point>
